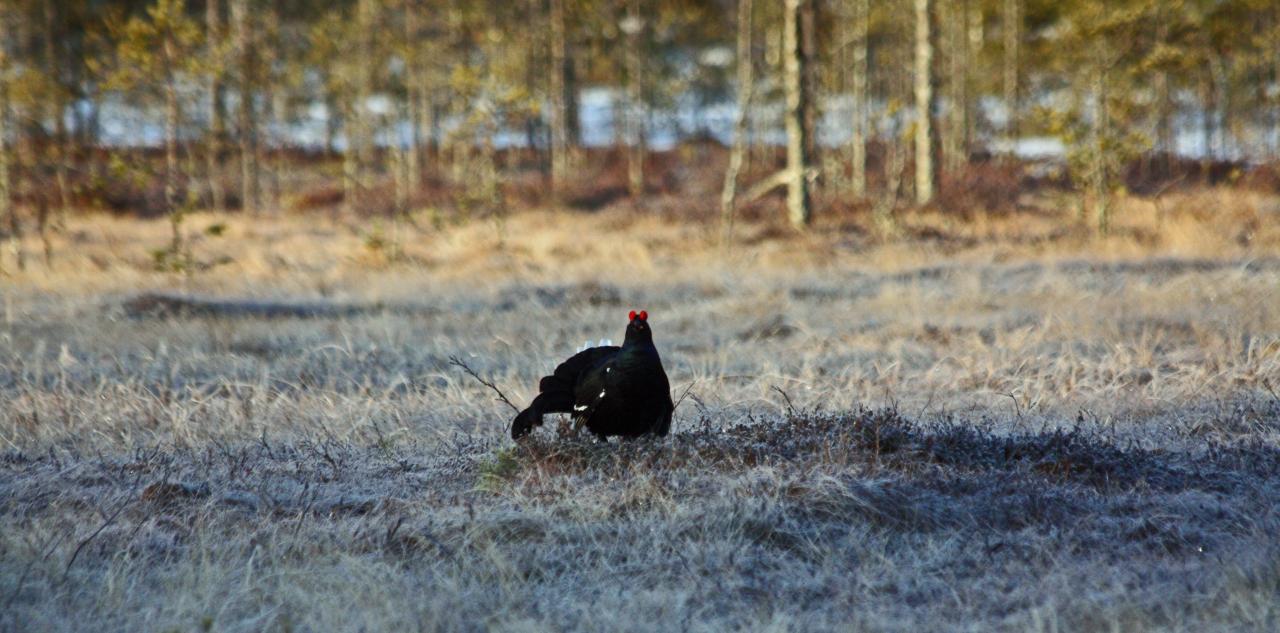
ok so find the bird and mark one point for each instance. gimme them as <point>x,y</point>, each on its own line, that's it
<point>610,390</point>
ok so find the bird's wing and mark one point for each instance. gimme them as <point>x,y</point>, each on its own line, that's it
<point>593,385</point>
<point>568,373</point>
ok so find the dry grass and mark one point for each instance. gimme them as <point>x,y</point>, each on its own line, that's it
<point>999,424</point>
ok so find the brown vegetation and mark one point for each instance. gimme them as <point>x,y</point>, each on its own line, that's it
<point>877,434</point>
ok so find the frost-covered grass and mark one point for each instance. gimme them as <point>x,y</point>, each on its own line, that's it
<point>1010,434</point>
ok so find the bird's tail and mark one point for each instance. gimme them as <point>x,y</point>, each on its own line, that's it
<point>524,423</point>
<point>555,399</point>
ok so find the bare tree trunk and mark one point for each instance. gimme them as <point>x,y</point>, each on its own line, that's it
<point>728,194</point>
<point>413,97</point>
<point>620,123</point>
<point>171,203</point>
<point>1164,115</point>
<point>42,229</point>
<point>1163,100</point>
<point>809,77</point>
<point>488,167</point>
<point>572,114</point>
<point>858,138</point>
<point>350,168</point>
<point>398,157</point>
<point>217,119</point>
<point>1101,172</point>
<point>926,138</point>
<point>1012,26</point>
<point>273,99</point>
<point>635,99</point>
<point>402,155</point>
<point>247,124</point>
<point>556,91</point>
<point>1208,105</point>
<point>430,129</point>
<point>1222,99</point>
<point>956,142</point>
<point>1273,57</point>
<point>976,41</point>
<point>88,130</point>
<point>333,113</point>
<point>57,104</point>
<point>793,64</point>
<point>357,125</point>
<point>895,163</point>
<point>8,210</point>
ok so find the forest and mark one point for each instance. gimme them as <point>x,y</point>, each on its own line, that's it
<point>391,107</point>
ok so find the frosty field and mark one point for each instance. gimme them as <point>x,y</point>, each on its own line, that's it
<point>991,431</point>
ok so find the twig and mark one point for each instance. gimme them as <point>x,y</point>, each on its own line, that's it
<point>686,393</point>
<point>771,182</point>
<point>391,531</point>
<point>766,185</point>
<point>51,543</point>
<point>791,409</point>
<point>105,524</point>
<point>454,360</point>
<point>302,516</point>
<point>1017,410</point>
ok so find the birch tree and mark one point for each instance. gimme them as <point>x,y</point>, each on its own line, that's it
<point>1011,23</point>
<point>799,209</point>
<point>559,115</point>
<point>215,52</point>
<point>956,141</point>
<point>858,126</point>
<point>925,134</point>
<point>728,194</point>
<point>634,26</point>
<point>273,102</point>
<point>415,95</point>
<point>246,92</point>
<point>56,101</point>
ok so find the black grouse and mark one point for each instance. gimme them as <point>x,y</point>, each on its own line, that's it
<point>611,390</point>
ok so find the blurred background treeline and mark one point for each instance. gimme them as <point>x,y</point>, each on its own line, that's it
<point>709,109</point>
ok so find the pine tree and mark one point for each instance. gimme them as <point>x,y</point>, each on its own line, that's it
<point>158,50</point>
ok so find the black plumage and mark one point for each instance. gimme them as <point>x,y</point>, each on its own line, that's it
<point>610,390</point>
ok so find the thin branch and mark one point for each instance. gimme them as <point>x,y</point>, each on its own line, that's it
<point>128,501</point>
<point>48,547</point>
<point>1017,410</point>
<point>105,524</point>
<point>683,395</point>
<point>457,362</point>
<point>791,409</point>
<point>769,183</point>
<point>302,516</point>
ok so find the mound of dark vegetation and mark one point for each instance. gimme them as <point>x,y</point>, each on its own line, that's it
<point>1083,455</point>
